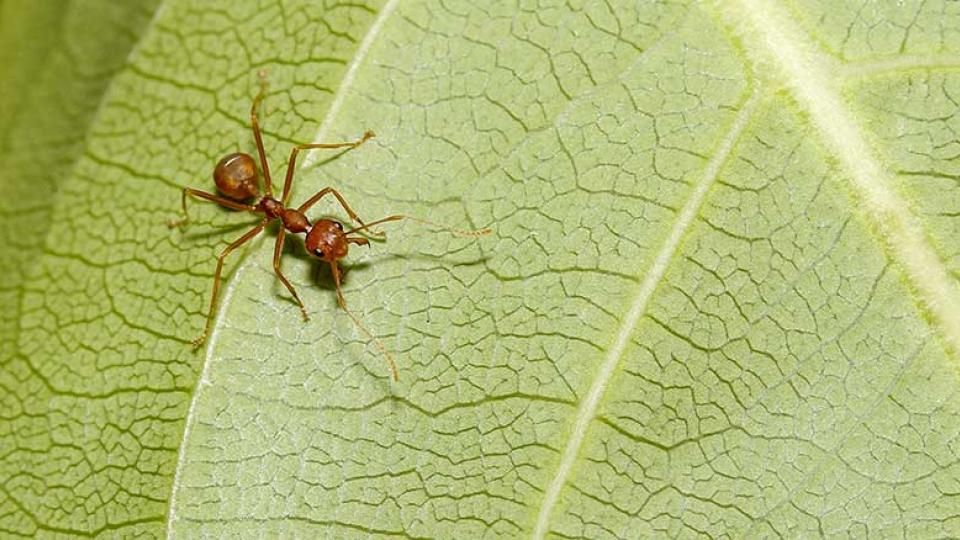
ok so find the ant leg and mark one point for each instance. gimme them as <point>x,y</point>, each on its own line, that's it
<point>203,195</point>
<point>216,277</point>
<point>256,133</point>
<point>343,202</point>
<point>296,150</point>
<point>277,250</point>
<point>335,270</point>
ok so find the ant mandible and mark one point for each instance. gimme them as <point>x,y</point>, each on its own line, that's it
<point>236,177</point>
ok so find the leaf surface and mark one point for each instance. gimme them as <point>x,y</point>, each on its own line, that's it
<point>720,298</point>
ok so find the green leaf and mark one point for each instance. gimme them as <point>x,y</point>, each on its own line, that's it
<point>721,297</point>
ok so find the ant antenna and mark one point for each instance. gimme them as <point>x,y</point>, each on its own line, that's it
<point>336,274</point>
<point>427,222</point>
<point>380,345</point>
<point>335,270</point>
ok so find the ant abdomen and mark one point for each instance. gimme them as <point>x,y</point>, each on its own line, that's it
<point>236,177</point>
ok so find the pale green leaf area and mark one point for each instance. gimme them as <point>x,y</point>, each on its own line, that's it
<point>720,298</point>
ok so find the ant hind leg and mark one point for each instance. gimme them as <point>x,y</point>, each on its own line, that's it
<point>204,196</point>
<point>216,277</point>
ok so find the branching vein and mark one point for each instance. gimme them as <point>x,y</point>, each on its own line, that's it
<point>587,410</point>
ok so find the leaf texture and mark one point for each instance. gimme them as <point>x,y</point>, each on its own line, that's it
<point>720,298</point>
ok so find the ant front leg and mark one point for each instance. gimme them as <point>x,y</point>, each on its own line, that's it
<point>216,277</point>
<point>343,202</point>
<point>203,195</point>
<point>337,277</point>
<point>296,150</point>
<point>277,251</point>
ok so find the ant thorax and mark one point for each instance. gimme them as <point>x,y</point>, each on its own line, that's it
<point>294,221</point>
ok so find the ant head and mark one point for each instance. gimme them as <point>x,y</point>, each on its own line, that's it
<point>237,177</point>
<point>327,241</point>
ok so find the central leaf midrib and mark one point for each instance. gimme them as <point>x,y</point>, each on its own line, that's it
<point>805,69</point>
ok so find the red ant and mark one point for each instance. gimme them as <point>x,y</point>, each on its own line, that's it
<point>236,177</point>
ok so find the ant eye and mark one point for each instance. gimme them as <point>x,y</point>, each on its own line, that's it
<point>338,225</point>
<point>319,252</point>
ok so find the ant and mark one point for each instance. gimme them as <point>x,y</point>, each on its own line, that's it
<point>236,177</point>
